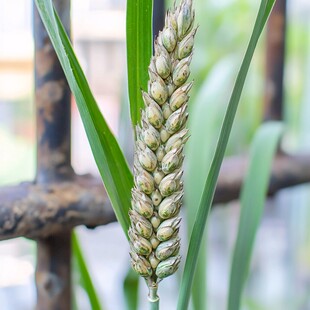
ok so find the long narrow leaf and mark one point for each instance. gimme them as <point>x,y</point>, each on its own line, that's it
<point>253,196</point>
<point>209,188</point>
<point>139,51</point>
<point>111,163</point>
<point>85,276</point>
<point>205,116</point>
<point>131,290</point>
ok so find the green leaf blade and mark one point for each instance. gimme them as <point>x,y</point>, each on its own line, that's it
<point>111,163</point>
<point>205,114</point>
<point>131,290</point>
<point>86,279</point>
<point>253,196</point>
<point>209,188</point>
<point>139,52</point>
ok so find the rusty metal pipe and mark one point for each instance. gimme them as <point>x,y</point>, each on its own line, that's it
<point>53,114</point>
<point>33,210</point>
<point>287,171</point>
<point>53,274</point>
<point>41,210</point>
<point>275,56</point>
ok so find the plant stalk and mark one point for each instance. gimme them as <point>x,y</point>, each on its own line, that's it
<point>153,297</point>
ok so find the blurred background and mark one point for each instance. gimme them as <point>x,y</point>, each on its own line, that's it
<point>280,271</point>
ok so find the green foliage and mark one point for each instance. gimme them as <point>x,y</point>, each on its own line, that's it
<point>86,279</point>
<point>253,195</point>
<point>131,290</point>
<point>222,38</point>
<point>109,158</point>
<point>206,111</point>
<point>139,51</point>
<point>209,188</point>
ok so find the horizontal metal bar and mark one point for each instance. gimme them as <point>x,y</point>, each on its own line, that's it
<point>287,171</point>
<point>41,210</point>
<point>36,210</point>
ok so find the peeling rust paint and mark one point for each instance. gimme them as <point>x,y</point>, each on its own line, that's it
<point>37,210</point>
<point>47,97</point>
<point>53,105</point>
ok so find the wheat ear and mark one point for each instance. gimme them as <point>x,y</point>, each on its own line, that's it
<point>160,138</point>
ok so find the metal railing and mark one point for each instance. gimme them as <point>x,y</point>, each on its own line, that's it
<point>48,208</point>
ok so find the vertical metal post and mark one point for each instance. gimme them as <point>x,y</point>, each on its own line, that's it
<point>53,106</point>
<point>158,16</point>
<point>53,273</point>
<point>275,55</point>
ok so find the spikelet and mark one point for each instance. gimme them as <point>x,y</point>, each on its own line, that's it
<point>158,191</point>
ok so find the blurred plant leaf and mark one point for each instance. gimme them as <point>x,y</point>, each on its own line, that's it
<point>139,51</point>
<point>86,279</point>
<point>209,188</point>
<point>109,158</point>
<point>131,290</point>
<point>253,196</point>
<point>206,111</point>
